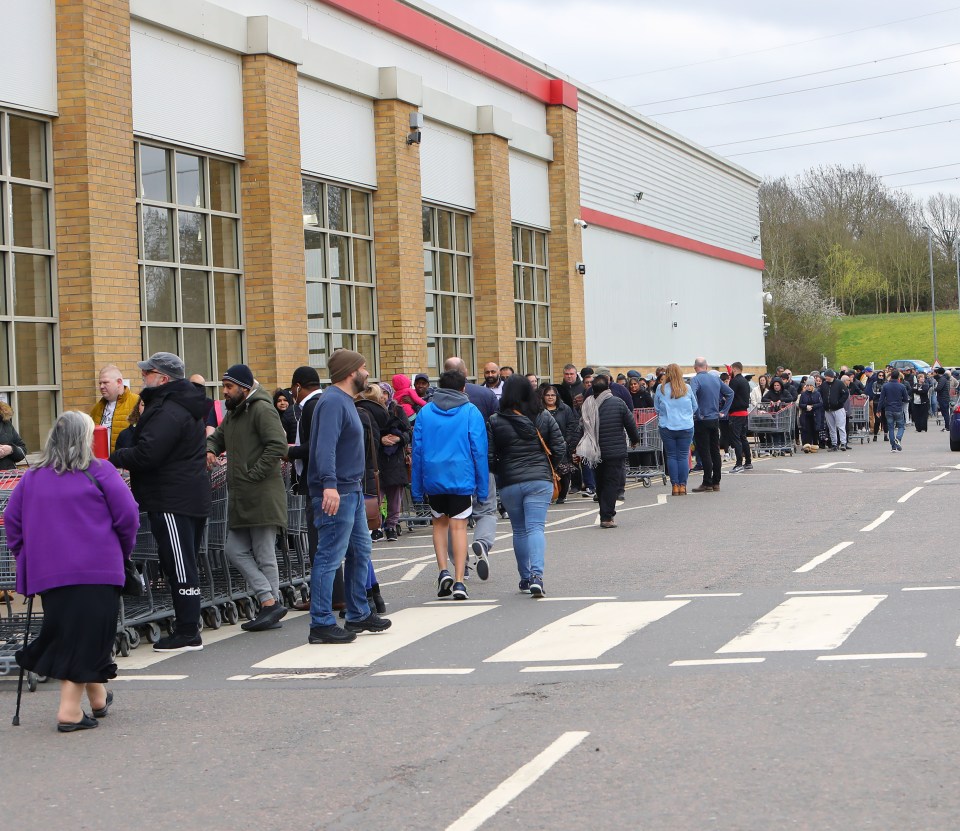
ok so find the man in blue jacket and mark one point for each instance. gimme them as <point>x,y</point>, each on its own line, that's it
<point>713,398</point>
<point>449,467</point>
<point>893,402</point>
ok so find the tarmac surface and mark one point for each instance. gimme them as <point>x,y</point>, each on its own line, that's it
<point>780,654</point>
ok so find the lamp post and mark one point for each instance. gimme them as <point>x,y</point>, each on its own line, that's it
<point>933,299</point>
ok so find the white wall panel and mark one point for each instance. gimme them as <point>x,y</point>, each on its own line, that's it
<point>446,166</point>
<point>684,190</point>
<point>628,290</point>
<point>337,135</point>
<point>185,92</point>
<point>28,57</point>
<point>529,191</point>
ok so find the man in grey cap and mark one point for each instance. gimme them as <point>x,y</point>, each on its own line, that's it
<point>168,475</point>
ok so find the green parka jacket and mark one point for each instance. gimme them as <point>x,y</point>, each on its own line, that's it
<point>255,442</point>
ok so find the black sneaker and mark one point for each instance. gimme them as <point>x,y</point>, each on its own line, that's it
<point>483,564</point>
<point>525,586</point>
<point>460,591</point>
<point>748,467</point>
<point>371,623</point>
<point>376,536</point>
<point>444,584</point>
<point>179,643</point>
<point>536,586</point>
<point>330,634</point>
<point>587,493</point>
<point>391,535</point>
<point>267,618</point>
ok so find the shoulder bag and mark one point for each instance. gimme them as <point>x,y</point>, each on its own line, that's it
<point>371,504</point>
<point>553,470</point>
<point>133,585</point>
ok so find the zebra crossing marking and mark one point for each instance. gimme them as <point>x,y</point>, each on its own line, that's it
<point>708,662</point>
<point>872,656</point>
<point>425,671</point>
<point>571,667</point>
<point>805,623</point>
<point>588,633</point>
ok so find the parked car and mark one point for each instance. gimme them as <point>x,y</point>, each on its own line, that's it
<point>919,366</point>
<point>955,428</point>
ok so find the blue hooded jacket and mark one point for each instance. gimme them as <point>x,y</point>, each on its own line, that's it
<point>449,448</point>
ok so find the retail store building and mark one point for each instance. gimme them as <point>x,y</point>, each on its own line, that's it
<point>269,180</point>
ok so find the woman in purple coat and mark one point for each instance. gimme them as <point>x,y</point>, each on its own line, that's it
<point>70,523</point>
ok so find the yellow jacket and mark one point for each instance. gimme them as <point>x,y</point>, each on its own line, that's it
<point>125,404</point>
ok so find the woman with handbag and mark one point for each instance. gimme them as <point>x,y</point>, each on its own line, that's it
<point>76,564</point>
<point>567,421</point>
<point>523,444</point>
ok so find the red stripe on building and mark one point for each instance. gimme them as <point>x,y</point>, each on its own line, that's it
<point>637,229</point>
<point>419,28</point>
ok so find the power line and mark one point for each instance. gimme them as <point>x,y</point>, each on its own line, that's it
<point>928,182</point>
<point>775,48</point>
<point>842,138</point>
<point>918,170</point>
<point>832,126</point>
<point>795,77</point>
<point>806,89</point>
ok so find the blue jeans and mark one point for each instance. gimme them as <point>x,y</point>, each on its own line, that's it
<point>341,538</point>
<point>589,480</point>
<point>526,504</point>
<point>676,448</point>
<point>896,421</point>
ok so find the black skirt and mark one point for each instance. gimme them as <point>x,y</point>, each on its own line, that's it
<point>77,634</point>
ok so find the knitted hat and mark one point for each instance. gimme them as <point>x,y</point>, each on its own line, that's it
<point>240,375</point>
<point>344,362</point>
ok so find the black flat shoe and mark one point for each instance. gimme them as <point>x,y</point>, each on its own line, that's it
<point>101,712</point>
<point>86,723</point>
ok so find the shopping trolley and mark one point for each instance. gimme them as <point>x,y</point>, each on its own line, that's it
<point>774,428</point>
<point>646,460</point>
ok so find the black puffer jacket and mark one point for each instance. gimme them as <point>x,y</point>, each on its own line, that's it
<point>514,450</point>
<point>834,395</point>
<point>568,422</point>
<point>614,418</point>
<point>393,468</point>
<point>9,435</point>
<point>168,461</point>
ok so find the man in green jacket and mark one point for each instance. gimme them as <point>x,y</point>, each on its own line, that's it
<point>255,442</point>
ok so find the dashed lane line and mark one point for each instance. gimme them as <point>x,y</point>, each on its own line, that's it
<point>937,477</point>
<point>877,522</point>
<point>910,493</point>
<point>822,558</point>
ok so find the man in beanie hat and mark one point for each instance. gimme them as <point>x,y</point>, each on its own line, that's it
<point>255,442</point>
<point>337,467</point>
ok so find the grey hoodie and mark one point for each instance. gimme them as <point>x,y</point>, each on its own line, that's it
<point>449,399</point>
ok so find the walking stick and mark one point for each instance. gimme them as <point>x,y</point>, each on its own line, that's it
<point>26,640</point>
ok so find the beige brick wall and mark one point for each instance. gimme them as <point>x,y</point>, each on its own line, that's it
<point>93,173</point>
<point>564,245</point>
<point>271,199</point>
<point>493,253</point>
<point>398,242</point>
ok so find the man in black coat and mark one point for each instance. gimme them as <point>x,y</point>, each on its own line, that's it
<point>168,475</point>
<point>942,389</point>
<point>835,394</point>
<point>571,387</point>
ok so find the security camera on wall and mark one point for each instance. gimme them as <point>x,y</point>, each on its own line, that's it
<point>580,223</point>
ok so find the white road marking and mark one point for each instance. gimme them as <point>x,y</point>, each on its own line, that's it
<point>433,671</point>
<point>149,678</point>
<point>872,656</point>
<point>851,469</point>
<point>822,558</point>
<point>513,786</point>
<point>555,599</point>
<point>805,623</point>
<point>451,602</point>
<point>587,634</point>
<point>661,499</point>
<point>715,594</point>
<point>929,588</point>
<point>284,676</point>
<point>938,476</point>
<point>409,626</point>
<point>571,668</point>
<point>824,467</point>
<point>787,470</point>
<point>906,469</point>
<point>415,571</point>
<point>910,493</point>
<point>716,661</point>
<point>566,519</point>
<point>952,467</point>
<point>828,591</point>
<point>878,521</point>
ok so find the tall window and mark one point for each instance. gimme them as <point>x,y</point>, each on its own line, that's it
<point>448,277</point>
<point>29,374</point>
<point>531,294</point>
<point>191,280</point>
<point>341,296</point>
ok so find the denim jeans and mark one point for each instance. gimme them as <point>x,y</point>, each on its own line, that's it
<point>526,504</point>
<point>676,448</point>
<point>896,423</point>
<point>342,538</point>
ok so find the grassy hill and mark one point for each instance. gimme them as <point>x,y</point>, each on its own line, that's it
<point>881,338</point>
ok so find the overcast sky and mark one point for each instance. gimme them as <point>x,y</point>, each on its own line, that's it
<point>644,53</point>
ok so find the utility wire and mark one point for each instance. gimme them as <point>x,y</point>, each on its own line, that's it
<point>918,170</point>
<point>832,126</point>
<point>804,75</point>
<point>805,89</point>
<point>843,138</point>
<point>928,182</point>
<point>775,48</point>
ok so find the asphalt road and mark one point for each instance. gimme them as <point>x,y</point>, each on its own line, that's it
<point>754,658</point>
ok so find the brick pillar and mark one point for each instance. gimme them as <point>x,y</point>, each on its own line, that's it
<point>565,245</point>
<point>398,241</point>
<point>271,197</point>
<point>493,253</point>
<point>93,172</point>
